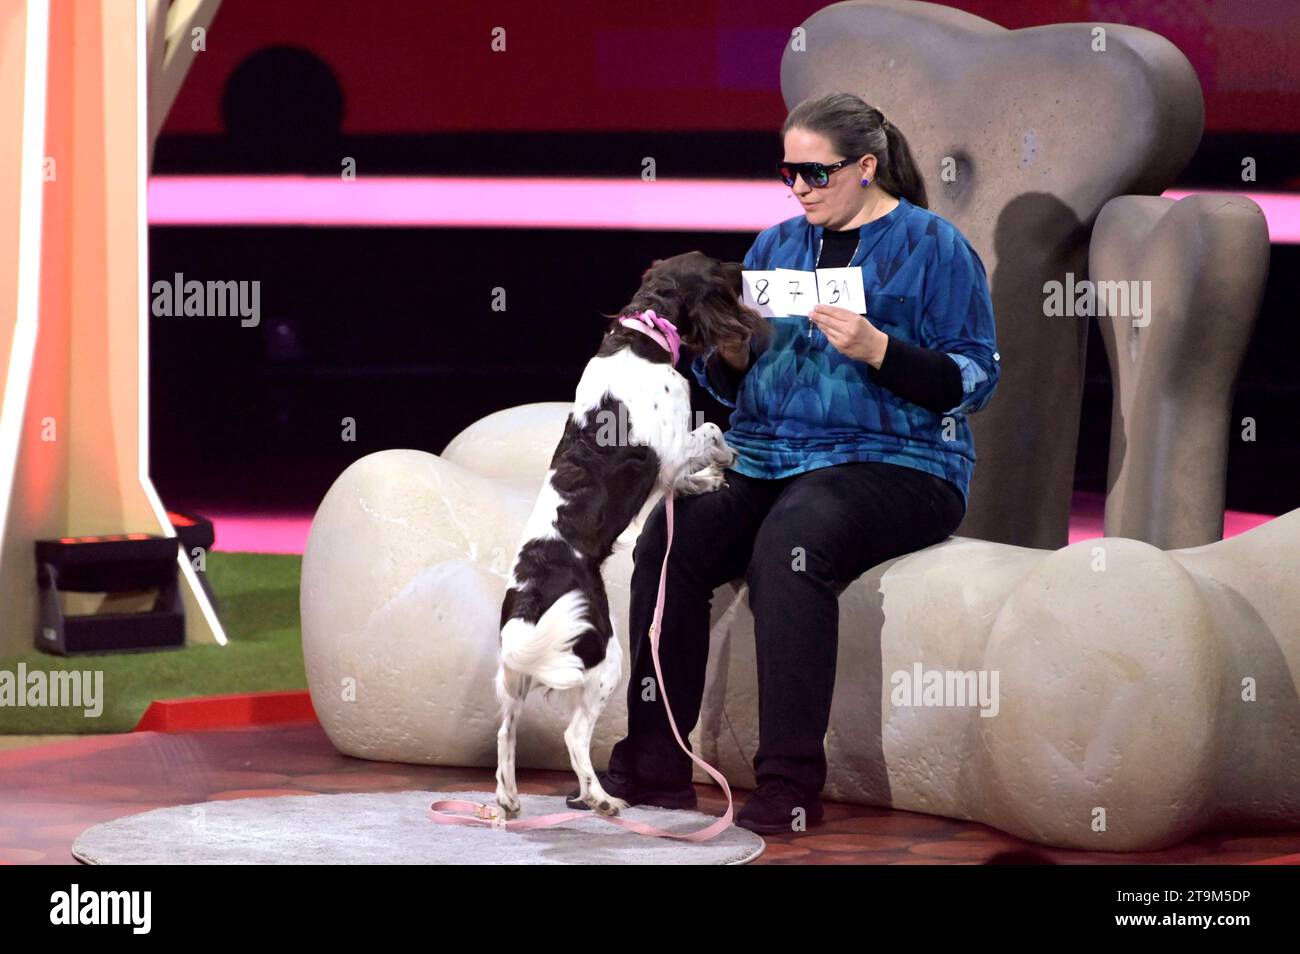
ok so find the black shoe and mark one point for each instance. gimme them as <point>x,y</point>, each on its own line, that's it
<point>771,809</point>
<point>635,792</point>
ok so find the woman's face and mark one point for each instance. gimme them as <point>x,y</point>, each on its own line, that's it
<point>843,197</point>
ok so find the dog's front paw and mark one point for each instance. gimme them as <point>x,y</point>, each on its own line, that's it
<point>609,806</point>
<point>714,482</point>
<point>509,804</point>
<point>702,481</point>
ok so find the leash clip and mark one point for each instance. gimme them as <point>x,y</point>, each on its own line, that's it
<point>489,814</point>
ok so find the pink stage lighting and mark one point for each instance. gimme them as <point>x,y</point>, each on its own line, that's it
<point>681,205</point>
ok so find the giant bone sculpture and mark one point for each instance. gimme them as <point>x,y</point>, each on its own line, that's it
<point>1141,695</point>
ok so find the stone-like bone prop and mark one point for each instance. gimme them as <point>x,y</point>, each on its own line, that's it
<point>1142,695</point>
<point>1204,262</point>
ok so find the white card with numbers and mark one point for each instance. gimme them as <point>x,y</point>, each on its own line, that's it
<point>798,290</point>
<point>842,287</point>
<point>792,291</point>
<point>759,291</point>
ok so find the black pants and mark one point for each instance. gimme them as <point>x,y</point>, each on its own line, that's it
<point>795,540</point>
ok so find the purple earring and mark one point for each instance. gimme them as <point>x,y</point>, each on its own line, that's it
<point>866,182</point>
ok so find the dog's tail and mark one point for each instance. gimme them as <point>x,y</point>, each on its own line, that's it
<point>542,650</point>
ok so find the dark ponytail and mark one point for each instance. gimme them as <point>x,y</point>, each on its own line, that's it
<point>855,129</point>
<point>901,175</point>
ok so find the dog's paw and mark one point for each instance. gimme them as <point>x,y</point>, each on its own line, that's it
<point>725,456</point>
<point>710,479</point>
<point>609,806</point>
<point>713,482</point>
<point>701,482</point>
<point>510,805</point>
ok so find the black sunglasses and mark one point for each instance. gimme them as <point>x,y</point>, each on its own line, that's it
<point>814,173</point>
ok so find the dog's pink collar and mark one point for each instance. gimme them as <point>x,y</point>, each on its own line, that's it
<point>660,329</point>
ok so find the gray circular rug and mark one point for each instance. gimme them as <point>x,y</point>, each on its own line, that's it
<point>394,828</point>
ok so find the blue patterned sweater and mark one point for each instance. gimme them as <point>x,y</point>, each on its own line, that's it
<point>803,405</point>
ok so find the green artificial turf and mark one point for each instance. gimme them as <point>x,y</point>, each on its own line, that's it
<point>258,604</point>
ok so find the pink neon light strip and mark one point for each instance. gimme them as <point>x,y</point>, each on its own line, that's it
<point>694,205</point>
<point>1281,211</point>
<point>687,205</point>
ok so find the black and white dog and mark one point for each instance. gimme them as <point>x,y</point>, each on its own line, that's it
<point>628,434</point>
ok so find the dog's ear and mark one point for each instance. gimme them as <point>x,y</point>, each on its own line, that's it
<point>730,273</point>
<point>760,328</point>
<point>720,315</point>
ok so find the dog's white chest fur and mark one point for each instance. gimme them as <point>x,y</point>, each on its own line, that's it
<point>658,401</point>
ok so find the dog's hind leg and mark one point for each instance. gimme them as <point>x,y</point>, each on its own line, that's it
<point>595,692</point>
<point>512,688</point>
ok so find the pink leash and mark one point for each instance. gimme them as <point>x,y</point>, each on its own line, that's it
<point>488,816</point>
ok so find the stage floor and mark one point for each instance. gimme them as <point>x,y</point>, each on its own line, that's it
<point>50,793</point>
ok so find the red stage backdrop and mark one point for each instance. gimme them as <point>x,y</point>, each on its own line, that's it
<point>677,65</point>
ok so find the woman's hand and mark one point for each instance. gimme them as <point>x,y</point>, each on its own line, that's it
<point>852,335</point>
